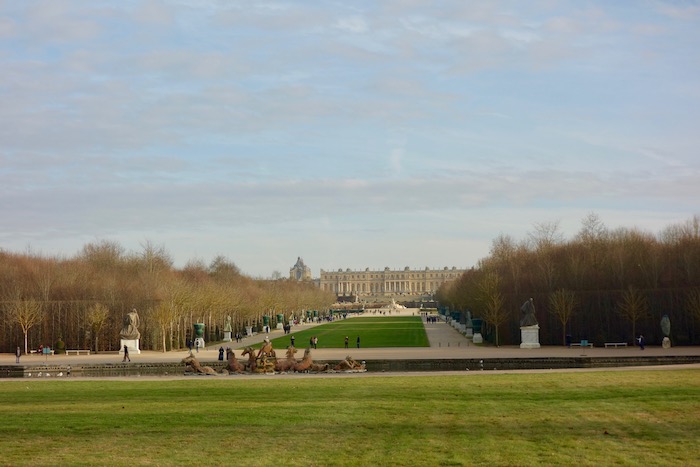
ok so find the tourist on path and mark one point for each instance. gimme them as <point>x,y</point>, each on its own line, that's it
<point>346,341</point>
<point>18,353</point>
<point>126,354</point>
<point>358,342</point>
<point>640,341</point>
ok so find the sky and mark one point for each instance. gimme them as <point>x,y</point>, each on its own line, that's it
<point>362,134</point>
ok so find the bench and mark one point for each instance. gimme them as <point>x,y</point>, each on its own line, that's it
<point>578,344</point>
<point>78,351</point>
<point>616,344</point>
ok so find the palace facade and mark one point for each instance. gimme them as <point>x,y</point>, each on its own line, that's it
<point>300,271</point>
<point>388,282</point>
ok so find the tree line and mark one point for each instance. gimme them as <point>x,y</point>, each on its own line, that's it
<point>80,302</point>
<point>602,285</point>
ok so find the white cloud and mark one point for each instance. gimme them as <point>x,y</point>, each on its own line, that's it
<point>210,125</point>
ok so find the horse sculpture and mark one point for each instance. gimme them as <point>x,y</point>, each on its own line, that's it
<point>265,363</point>
<point>307,363</point>
<point>266,349</point>
<point>288,363</point>
<point>349,364</point>
<point>252,364</point>
<point>197,367</point>
<point>233,365</point>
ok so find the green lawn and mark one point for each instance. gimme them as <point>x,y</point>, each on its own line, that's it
<point>629,417</point>
<point>398,331</point>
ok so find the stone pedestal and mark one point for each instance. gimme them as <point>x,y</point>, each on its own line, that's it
<point>666,343</point>
<point>280,325</point>
<point>131,344</point>
<point>249,330</point>
<point>477,339</point>
<point>530,337</point>
<point>227,336</point>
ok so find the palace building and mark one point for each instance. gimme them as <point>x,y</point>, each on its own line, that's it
<point>387,283</point>
<point>300,271</point>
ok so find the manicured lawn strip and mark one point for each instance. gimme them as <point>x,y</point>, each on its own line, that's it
<point>586,418</point>
<point>398,331</point>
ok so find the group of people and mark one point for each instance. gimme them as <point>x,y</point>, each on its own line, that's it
<point>347,342</point>
<point>193,343</point>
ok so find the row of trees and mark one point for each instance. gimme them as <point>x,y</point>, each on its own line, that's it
<point>602,285</point>
<point>81,301</point>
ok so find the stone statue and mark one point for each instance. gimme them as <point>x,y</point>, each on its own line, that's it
<point>528,310</point>
<point>666,325</point>
<point>131,324</point>
<point>666,330</point>
<point>227,325</point>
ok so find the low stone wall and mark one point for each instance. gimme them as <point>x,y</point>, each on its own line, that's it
<point>524,363</point>
<point>427,365</point>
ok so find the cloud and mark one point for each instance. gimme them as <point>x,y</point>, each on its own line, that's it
<point>219,124</point>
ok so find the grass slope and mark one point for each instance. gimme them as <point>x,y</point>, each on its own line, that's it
<point>397,331</point>
<point>533,419</point>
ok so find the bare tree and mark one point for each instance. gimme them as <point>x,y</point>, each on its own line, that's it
<point>562,303</point>
<point>546,234</point>
<point>490,296</point>
<point>692,303</point>
<point>97,319</point>
<point>633,307</point>
<point>223,269</point>
<point>163,315</point>
<point>28,314</point>
<point>592,230</point>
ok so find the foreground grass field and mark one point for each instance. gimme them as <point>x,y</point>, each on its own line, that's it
<point>396,331</point>
<point>582,418</point>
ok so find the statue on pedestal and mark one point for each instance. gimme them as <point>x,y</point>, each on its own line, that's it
<point>666,330</point>
<point>529,329</point>
<point>528,311</point>
<point>130,329</point>
<point>130,334</point>
<point>228,329</point>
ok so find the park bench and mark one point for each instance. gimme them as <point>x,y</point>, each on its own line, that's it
<point>78,351</point>
<point>616,344</point>
<point>579,344</point>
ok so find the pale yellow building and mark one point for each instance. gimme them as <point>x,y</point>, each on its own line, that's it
<point>387,283</point>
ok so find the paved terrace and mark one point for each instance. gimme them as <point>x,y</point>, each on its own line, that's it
<point>445,343</point>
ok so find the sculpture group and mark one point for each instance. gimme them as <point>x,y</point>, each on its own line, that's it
<point>265,361</point>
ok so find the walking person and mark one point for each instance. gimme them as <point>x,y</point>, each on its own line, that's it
<point>358,342</point>
<point>292,340</point>
<point>126,354</point>
<point>640,341</point>
<point>346,341</point>
<point>18,353</point>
